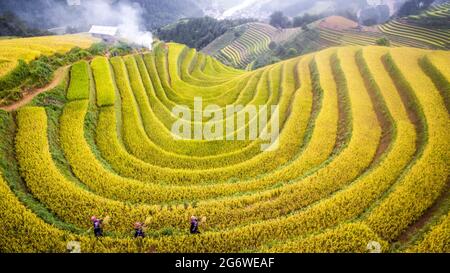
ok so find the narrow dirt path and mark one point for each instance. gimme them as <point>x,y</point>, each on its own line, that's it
<point>30,95</point>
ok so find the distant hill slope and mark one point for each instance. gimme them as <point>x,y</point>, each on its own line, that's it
<point>436,13</point>
<point>197,32</point>
<point>432,37</point>
<point>397,31</point>
<point>338,23</point>
<point>251,50</point>
<point>11,25</point>
<point>261,9</point>
<point>430,27</point>
<point>54,13</point>
<point>240,46</point>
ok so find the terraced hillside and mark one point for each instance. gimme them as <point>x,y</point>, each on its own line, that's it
<point>252,41</point>
<point>434,38</point>
<point>431,27</point>
<point>335,30</point>
<point>27,49</point>
<point>435,12</point>
<point>363,156</point>
<point>247,46</point>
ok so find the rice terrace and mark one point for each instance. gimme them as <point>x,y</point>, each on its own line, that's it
<point>310,128</point>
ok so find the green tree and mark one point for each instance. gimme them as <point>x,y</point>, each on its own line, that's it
<point>292,52</point>
<point>304,20</point>
<point>279,20</point>
<point>273,45</point>
<point>383,42</point>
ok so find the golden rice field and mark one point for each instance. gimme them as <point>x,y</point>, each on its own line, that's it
<point>363,156</point>
<point>28,49</point>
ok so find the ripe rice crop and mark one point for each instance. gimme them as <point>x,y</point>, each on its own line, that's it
<point>28,49</point>
<point>362,154</point>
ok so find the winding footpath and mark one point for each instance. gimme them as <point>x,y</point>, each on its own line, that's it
<point>30,95</point>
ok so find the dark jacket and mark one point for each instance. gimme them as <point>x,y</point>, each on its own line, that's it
<point>194,226</point>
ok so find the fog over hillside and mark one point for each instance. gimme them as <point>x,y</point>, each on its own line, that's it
<point>261,9</point>
<point>152,14</point>
<point>46,14</point>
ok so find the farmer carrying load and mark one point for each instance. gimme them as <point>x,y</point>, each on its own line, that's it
<point>194,225</point>
<point>139,230</point>
<point>98,226</point>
